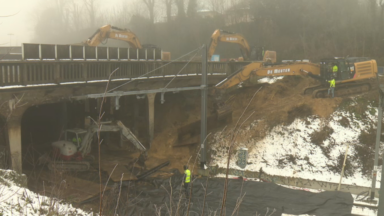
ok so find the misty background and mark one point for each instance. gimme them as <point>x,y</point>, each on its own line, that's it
<point>295,29</point>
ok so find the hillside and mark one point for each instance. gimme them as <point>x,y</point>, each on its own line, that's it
<point>293,135</point>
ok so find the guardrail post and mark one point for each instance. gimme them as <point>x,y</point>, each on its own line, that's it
<point>107,53</point>
<point>56,52</point>
<point>84,53</point>
<point>22,52</point>
<point>96,54</point>
<point>128,54</point>
<point>118,54</point>
<point>40,56</point>
<point>154,54</point>
<point>70,52</point>
<point>146,54</point>
<point>138,57</point>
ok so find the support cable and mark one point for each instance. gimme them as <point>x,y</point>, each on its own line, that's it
<point>154,69</point>
<point>181,70</point>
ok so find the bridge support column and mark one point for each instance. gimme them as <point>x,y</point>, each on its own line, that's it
<point>151,116</point>
<point>14,136</point>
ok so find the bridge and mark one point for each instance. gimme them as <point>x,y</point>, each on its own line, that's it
<point>37,74</point>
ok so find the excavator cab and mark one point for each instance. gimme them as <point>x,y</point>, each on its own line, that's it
<point>326,69</point>
<point>75,135</point>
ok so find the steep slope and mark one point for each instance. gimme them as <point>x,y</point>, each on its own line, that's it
<point>293,135</point>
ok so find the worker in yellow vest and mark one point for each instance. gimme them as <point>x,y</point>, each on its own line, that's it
<point>335,68</point>
<point>187,180</point>
<point>332,85</point>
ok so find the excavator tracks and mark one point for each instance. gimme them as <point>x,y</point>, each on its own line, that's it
<point>78,166</point>
<point>341,90</point>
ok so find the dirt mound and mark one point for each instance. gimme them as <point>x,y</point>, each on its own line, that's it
<point>283,101</point>
<point>274,104</point>
<point>300,111</point>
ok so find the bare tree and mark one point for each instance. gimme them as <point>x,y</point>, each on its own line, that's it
<point>192,8</point>
<point>91,9</point>
<point>217,5</point>
<point>168,8</point>
<point>151,6</point>
<point>180,8</point>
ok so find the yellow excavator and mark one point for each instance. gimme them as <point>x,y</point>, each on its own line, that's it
<point>249,54</point>
<point>355,75</point>
<point>112,32</point>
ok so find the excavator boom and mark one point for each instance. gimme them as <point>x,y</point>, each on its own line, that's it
<point>257,69</point>
<point>116,33</point>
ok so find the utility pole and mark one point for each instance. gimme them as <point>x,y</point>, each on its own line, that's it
<point>342,170</point>
<point>381,201</point>
<point>378,135</point>
<point>204,91</point>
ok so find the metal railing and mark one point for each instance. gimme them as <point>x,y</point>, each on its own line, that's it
<point>46,52</point>
<point>22,73</point>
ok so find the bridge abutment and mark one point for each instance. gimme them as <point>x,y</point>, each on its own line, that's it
<point>14,135</point>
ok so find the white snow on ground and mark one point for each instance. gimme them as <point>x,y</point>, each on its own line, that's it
<point>16,200</point>
<point>283,143</point>
<point>270,80</point>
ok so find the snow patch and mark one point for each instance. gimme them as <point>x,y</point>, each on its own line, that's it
<point>16,200</point>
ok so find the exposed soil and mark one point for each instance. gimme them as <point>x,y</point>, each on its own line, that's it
<point>279,103</point>
<point>274,104</point>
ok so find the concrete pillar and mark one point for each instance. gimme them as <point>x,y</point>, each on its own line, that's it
<point>14,136</point>
<point>151,116</point>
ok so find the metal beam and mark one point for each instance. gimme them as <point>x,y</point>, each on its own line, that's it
<point>378,135</point>
<point>121,93</point>
<point>380,110</point>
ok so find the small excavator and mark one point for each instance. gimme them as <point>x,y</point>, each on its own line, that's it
<point>249,53</point>
<point>73,153</point>
<point>355,75</point>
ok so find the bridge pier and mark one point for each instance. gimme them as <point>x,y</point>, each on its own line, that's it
<point>151,116</point>
<point>14,136</point>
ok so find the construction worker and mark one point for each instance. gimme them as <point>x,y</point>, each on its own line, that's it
<point>76,140</point>
<point>262,53</point>
<point>332,85</point>
<point>187,180</point>
<point>335,69</point>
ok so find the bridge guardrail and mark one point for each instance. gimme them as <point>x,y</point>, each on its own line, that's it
<point>23,73</point>
<point>81,52</point>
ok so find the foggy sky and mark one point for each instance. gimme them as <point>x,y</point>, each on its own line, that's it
<point>22,24</point>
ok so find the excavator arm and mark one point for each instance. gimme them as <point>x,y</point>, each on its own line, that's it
<point>230,37</point>
<point>116,33</point>
<point>257,69</point>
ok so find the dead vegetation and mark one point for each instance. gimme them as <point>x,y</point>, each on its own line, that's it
<point>365,150</point>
